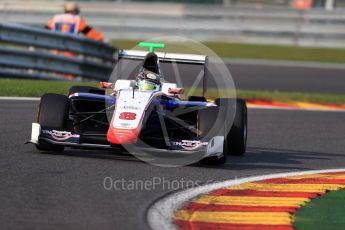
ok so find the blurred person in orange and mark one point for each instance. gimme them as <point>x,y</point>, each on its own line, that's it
<point>70,22</point>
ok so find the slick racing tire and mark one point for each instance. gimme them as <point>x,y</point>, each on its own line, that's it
<point>236,140</point>
<point>210,123</point>
<point>197,98</point>
<point>52,114</point>
<point>85,89</point>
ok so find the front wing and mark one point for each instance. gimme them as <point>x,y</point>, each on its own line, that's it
<point>212,147</point>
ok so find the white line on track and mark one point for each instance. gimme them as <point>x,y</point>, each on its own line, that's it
<point>160,213</point>
<point>20,98</point>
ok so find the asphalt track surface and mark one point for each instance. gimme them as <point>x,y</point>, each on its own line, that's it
<point>65,191</point>
<point>287,78</point>
<point>264,76</point>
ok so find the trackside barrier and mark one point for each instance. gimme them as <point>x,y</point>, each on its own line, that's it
<point>27,52</point>
<point>240,21</point>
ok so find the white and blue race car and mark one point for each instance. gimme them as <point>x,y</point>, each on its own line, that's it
<point>145,111</point>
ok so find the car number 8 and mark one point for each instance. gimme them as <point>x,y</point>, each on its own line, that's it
<point>127,116</point>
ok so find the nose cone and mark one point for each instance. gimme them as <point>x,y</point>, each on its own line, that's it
<point>122,136</point>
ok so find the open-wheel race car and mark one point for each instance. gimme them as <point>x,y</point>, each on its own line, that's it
<point>144,111</point>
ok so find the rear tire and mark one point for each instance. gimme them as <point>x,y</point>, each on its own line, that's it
<point>52,114</point>
<point>197,98</point>
<point>85,89</point>
<point>236,140</point>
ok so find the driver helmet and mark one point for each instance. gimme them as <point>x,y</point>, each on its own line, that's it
<point>148,80</point>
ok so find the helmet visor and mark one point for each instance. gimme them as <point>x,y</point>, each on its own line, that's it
<point>147,85</point>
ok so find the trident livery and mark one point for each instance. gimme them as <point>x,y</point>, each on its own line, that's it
<point>144,111</point>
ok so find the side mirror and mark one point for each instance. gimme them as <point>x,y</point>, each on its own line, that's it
<point>106,85</point>
<point>176,90</point>
<point>133,84</point>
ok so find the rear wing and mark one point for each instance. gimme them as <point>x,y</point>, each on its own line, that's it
<point>165,57</point>
<point>178,58</point>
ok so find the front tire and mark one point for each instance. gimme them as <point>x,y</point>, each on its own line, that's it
<point>211,123</point>
<point>236,139</point>
<point>52,114</point>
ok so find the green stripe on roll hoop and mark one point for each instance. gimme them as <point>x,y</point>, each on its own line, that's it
<point>152,46</point>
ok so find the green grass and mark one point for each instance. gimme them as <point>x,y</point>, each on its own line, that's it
<point>256,51</point>
<point>326,212</point>
<point>35,88</point>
